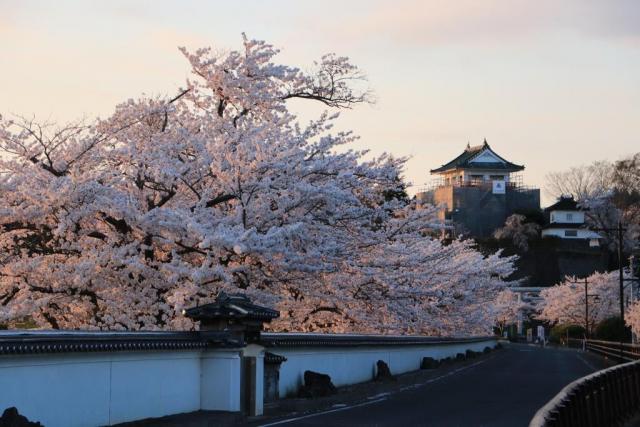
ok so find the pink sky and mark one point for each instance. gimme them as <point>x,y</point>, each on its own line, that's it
<point>549,84</point>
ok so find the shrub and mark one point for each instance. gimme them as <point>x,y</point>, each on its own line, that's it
<point>559,333</point>
<point>609,330</point>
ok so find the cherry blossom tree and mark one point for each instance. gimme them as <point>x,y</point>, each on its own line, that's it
<point>518,231</point>
<point>565,302</point>
<point>632,317</point>
<point>123,222</point>
<point>507,306</point>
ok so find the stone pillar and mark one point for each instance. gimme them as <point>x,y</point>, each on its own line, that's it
<point>253,379</point>
<point>520,324</point>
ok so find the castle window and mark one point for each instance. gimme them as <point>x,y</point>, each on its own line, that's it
<point>496,177</point>
<point>569,217</point>
<point>570,233</point>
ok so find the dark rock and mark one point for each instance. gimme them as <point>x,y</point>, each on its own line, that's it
<point>384,373</point>
<point>11,418</point>
<point>316,385</point>
<point>460,357</point>
<point>446,361</point>
<point>429,363</point>
<point>498,346</point>
<point>487,350</point>
<point>470,354</point>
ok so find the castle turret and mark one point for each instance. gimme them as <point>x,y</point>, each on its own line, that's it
<point>476,165</point>
<point>480,189</point>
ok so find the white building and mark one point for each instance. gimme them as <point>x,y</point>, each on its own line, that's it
<point>567,221</point>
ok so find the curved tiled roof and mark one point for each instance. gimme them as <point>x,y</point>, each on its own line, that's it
<point>37,342</point>
<point>273,359</point>
<point>576,225</point>
<point>337,340</point>
<point>463,161</point>
<point>41,342</point>
<point>231,307</point>
<point>564,204</point>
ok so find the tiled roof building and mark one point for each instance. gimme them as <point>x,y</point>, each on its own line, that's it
<point>480,189</point>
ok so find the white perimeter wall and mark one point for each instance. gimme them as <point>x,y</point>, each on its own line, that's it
<point>94,389</point>
<point>351,365</point>
<point>97,389</point>
<point>577,217</point>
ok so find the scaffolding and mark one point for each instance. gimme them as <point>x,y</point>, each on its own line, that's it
<point>515,183</point>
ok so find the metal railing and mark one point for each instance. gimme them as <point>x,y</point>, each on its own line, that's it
<point>514,183</point>
<point>604,398</point>
<point>623,352</point>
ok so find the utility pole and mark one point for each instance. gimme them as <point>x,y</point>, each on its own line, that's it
<point>620,231</point>
<point>632,271</point>
<point>586,309</point>
<point>621,277</point>
<point>587,295</point>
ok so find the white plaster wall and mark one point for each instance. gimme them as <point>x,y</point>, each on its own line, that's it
<point>154,385</point>
<point>577,217</point>
<point>351,365</point>
<point>220,387</point>
<point>57,390</point>
<point>93,389</point>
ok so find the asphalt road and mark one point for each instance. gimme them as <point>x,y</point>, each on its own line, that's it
<point>505,389</point>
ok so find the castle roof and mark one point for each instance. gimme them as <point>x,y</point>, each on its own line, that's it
<point>564,203</point>
<point>231,306</point>
<point>479,157</point>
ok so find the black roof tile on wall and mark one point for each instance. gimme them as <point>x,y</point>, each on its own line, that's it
<point>38,342</point>
<point>564,203</point>
<point>573,225</point>
<point>233,306</point>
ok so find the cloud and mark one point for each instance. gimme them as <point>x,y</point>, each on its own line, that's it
<point>435,22</point>
<point>7,16</point>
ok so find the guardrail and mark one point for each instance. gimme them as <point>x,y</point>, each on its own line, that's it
<point>623,352</point>
<point>604,398</point>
